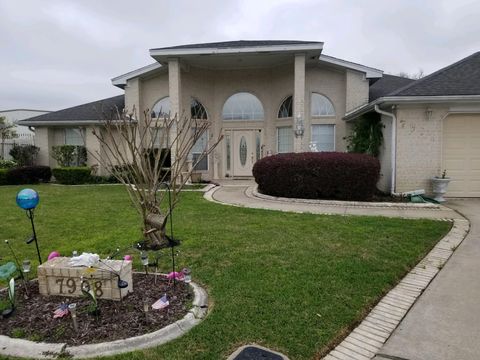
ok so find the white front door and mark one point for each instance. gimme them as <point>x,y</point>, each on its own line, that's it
<point>244,152</point>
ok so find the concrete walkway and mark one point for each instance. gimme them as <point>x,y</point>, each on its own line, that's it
<point>240,193</point>
<point>445,321</point>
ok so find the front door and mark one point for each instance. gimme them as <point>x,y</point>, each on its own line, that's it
<point>244,152</point>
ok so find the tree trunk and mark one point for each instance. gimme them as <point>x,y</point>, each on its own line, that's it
<point>155,232</point>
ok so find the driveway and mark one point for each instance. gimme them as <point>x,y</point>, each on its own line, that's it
<point>445,321</point>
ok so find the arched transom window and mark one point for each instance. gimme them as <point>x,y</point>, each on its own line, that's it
<point>162,109</point>
<point>321,106</point>
<point>242,106</point>
<point>286,110</point>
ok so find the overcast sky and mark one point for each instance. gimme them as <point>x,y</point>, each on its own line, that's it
<point>56,54</point>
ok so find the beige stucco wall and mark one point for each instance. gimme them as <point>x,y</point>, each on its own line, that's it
<point>271,85</point>
<point>419,146</point>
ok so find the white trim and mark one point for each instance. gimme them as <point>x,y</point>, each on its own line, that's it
<point>236,49</point>
<point>369,71</point>
<point>121,80</point>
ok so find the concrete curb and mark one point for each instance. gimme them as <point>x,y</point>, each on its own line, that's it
<point>252,191</point>
<point>30,349</point>
<point>367,339</point>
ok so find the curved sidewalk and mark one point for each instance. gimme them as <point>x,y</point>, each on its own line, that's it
<point>241,193</point>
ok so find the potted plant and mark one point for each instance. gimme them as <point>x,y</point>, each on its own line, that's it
<point>439,186</point>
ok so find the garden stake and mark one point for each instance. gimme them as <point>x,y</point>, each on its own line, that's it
<point>171,229</point>
<point>16,260</point>
<point>30,215</point>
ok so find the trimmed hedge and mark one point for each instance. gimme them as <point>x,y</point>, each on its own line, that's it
<point>318,175</point>
<point>73,175</point>
<point>28,175</point>
<point>3,176</point>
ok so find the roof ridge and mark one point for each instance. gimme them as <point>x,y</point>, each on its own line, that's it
<point>435,73</point>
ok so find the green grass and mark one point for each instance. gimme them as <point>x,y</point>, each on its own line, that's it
<point>292,282</point>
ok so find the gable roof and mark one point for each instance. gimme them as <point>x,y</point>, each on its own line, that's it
<point>89,113</point>
<point>460,78</point>
<point>387,84</point>
<point>238,44</point>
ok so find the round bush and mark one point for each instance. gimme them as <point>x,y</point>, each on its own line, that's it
<point>318,175</point>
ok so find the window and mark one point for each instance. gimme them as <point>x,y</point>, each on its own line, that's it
<point>74,136</point>
<point>197,110</point>
<point>323,137</point>
<point>161,108</point>
<point>159,138</point>
<point>198,150</point>
<point>284,139</point>
<point>286,110</point>
<point>321,106</point>
<point>242,106</point>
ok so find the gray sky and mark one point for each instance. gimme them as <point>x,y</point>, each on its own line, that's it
<point>56,54</point>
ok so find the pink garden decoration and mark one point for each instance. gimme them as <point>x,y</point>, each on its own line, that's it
<point>53,255</point>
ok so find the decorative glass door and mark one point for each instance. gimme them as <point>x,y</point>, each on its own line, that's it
<point>245,149</point>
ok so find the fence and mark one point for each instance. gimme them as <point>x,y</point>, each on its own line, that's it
<point>21,139</point>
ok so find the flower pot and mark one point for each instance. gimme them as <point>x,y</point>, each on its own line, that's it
<point>439,188</point>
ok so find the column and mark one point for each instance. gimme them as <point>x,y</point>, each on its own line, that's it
<point>175,94</point>
<point>299,101</point>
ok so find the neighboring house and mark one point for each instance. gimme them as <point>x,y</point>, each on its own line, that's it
<point>431,125</point>
<point>24,134</point>
<point>268,97</point>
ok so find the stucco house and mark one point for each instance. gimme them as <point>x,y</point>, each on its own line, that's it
<point>267,97</point>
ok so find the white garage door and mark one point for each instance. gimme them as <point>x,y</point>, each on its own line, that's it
<point>461,154</point>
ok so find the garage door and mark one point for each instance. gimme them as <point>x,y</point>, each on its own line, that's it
<point>461,154</point>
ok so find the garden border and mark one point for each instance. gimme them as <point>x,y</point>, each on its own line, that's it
<point>25,348</point>
<point>253,190</point>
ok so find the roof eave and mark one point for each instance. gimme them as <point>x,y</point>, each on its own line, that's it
<point>59,122</point>
<point>121,80</point>
<point>369,71</point>
<point>392,100</point>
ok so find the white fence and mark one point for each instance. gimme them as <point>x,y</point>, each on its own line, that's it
<point>21,139</point>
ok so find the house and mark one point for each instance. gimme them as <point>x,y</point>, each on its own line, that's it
<point>431,125</point>
<point>269,97</point>
<point>23,134</point>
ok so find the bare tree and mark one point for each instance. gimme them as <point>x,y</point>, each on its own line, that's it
<point>420,74</point>
<point>143,154</point>
<point>7,131</point>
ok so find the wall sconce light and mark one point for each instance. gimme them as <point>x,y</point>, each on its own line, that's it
<point>299,126</point>
<point>428,113</point>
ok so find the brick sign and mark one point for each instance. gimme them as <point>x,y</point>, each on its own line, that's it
<point>58,277</point>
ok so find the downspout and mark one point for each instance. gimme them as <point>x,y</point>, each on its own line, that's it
<point>394,146</point>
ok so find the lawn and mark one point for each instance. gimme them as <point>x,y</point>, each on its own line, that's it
<point>292,282</point>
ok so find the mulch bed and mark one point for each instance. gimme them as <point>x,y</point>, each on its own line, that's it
<point>33,317</point>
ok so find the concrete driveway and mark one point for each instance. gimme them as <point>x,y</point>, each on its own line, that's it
<point>445,322</point>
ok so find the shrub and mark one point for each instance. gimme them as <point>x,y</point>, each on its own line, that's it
<point>70,155</point>
<point>3,177</point>
<point>24,155</point>
<point>7,164</point>
<point>324,175</point>
<point>72,175</point>
<point>367,135</point>
<point>28,175</point>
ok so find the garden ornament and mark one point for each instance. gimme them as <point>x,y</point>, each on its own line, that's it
<point>61,311</point>
<point>128,258</point>
<point>53,255</point>
<point>7,270</point>
<point>28,199</point>
<point>15,258</point>
<point>86,259</point>
<point>122,284</point>
<point>11,297</point>
<point>161,303</point>
<point>178,275</point>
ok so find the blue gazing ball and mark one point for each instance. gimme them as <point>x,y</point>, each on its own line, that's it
<point>27,199</point>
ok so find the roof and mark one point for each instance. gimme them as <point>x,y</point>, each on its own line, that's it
<point>387,84</point>
<point>36,110</point>
<point>239,44</point>
<point>89,113</point>
<point>460,78</point>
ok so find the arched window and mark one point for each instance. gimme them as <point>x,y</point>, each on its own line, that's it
<point>197,110</point>
<point>286,110</point>
<point>242,106</point>
<point>161,108</point>
<point>321,106</point>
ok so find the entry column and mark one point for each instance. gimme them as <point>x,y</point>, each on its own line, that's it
<point>299,103</point>
<point>175,94</point>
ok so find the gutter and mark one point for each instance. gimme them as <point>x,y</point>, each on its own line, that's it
<point>394,146</point>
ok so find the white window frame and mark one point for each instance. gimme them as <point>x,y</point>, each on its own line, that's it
<point>334,136</point>
<point>277,137</point>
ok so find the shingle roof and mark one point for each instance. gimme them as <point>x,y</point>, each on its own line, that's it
<point>460,78</point>
<point>96,110</point>
<point>238,44</point>
<point>387,84</point>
